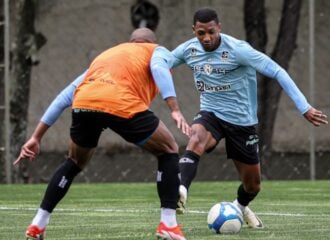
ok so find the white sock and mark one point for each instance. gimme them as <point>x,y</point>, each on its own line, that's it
<point>168,217</point>
<point>239,205</point>
<point>41,219</point>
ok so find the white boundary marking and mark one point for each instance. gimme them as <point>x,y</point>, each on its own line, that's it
<point>105,210</point>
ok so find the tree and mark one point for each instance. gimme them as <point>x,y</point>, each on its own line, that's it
<point>270,91</point>
<point>27,43</point>
<point>2,97</point>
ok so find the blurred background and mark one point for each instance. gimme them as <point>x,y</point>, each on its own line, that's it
<point>48,43</point>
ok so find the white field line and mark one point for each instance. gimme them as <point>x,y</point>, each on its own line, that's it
<point>110,210</point>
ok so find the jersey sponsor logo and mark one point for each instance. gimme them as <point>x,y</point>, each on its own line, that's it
<point>103,77</point>
<point>208,69</point>
<point>201,86</point>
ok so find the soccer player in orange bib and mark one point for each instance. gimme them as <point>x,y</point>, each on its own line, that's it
<point>116,93</point>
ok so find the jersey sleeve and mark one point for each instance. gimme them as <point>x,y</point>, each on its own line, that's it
<point>61,102</point>
<point>248,56</point>
<point>160,65</point>
<point>292,90</point>
<point>178,55</point>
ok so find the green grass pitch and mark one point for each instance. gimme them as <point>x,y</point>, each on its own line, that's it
<point>289,209</point>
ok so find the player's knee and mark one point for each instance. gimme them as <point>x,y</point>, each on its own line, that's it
<point>196,144</point>
<point>171,148</point>
<point>170,145</point>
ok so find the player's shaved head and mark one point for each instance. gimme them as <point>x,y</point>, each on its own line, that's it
<point>143,35</point>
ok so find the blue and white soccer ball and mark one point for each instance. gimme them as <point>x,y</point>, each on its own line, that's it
<point>225,218</point>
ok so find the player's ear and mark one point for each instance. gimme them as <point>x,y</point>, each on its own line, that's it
<point>219,24</point>
<point>193,29</point>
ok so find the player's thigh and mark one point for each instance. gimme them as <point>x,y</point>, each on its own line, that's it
<point>161,141</point>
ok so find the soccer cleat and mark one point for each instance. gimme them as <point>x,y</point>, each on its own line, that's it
<point>168,233</point>
<point>181,205</point>
<point>252,219</point>
<point>35,233</point>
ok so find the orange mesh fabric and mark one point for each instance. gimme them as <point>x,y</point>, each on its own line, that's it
<point>119,81</point>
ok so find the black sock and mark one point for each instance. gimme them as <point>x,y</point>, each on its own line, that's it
<point>59,184</point>
<point>188,164</point>
<point>243,197</point>
<point>168,180</point>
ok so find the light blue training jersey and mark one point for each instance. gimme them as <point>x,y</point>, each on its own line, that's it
<point>226,78</point>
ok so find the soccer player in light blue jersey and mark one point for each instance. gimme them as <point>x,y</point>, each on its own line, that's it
<point>224,70</point>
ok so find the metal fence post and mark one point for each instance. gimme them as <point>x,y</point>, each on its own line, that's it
<point>311,85</point>
<point>8,161</point>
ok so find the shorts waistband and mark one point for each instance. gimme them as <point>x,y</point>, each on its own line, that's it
<point>77,110</point>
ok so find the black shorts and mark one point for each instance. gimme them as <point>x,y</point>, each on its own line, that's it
<point>241,141</point>
<point>87,126</point>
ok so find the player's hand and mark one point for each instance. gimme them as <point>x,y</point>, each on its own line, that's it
<point>29,150</point>
<point>181,122</point>
<point>316,117</point>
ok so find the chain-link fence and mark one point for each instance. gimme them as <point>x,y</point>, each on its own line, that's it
<point>78,30</point>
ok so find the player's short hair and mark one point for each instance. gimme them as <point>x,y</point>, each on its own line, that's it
<point>205,15</point>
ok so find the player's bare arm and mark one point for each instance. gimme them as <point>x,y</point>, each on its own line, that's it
<point>31,148</point>
<point>177,116</point>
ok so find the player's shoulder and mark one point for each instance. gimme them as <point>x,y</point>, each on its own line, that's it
<point>161,51</point>
<point>191,43</point>
<point>232,41</point>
